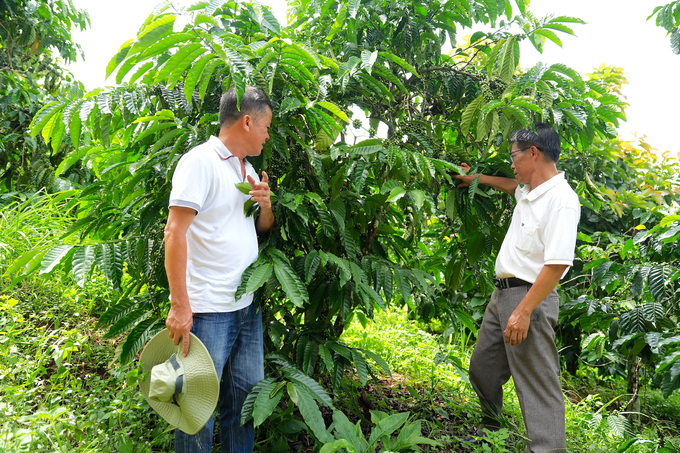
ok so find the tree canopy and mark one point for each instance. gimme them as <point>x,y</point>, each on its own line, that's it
<point>35,43</point>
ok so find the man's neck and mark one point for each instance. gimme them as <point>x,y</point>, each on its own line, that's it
<point>233,145</point>
<point>543,174</point>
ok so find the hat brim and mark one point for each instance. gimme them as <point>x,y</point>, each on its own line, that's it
<point>200,378</point>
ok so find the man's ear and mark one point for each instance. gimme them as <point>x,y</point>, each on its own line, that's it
<point>246,122</point>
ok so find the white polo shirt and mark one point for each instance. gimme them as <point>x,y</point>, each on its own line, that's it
<point>542,231</point>
<point>221,241</point>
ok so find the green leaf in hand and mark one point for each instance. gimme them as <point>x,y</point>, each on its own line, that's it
<point>244,187</point>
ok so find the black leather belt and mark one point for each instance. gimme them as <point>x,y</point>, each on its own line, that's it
<point>512,282</point>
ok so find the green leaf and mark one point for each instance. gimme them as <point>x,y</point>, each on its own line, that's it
<point>659,284</point>
<point>337,445</point>
<point>396,194</point>
<point>153,33</point>
<point>314,388</point>
<point>44,115</point>
<point>559,27</point>
<point>82,262</point>
<point>25,258</point>
<point>292,285</point>
<point>368,59</point>
<point>249,403</point>
<point>346,430</point>
<point>455,271</point>
<point>269,21</point>
<point>311,414</point>
<point>259,277</point>
<point>354,6</point>
<point>54,257</point>
<point>312,262</point>
<point>400,62</point>
<point>110,261</point>
<point>118,58</point>
<point>337,25</point>
<point>469,114</point>
<point>244,187</point>
<point>386,427</point>
<point>583,237</point>
<point>194,75</point>
<point>265,403</point>
<point>567,19</point>
<point>181,59</point>
<point>326,357</point>
<point>361,366</point>
<point>549,34</point>
<point>214,5</point>
<point>118,311</point>
<point>139,336</point>
<point>379,360</point>
<point>181,63</point>
<point>334,109</point>
<point>475,247</point>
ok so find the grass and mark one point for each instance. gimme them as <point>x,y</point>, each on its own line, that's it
<point>60,394</point>
<point>594,423</point>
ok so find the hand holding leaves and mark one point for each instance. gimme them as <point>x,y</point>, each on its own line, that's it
<point>260,191</point>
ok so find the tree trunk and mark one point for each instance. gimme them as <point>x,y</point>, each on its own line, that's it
<point>633,389</point>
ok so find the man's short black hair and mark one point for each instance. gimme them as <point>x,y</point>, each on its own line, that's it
<point>254,102</point>
<point>545,139</point>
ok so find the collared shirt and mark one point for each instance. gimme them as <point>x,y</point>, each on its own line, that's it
<point>542,231</point>
<point>221,240</point>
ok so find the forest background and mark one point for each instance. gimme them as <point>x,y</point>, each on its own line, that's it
<point>378,263</point>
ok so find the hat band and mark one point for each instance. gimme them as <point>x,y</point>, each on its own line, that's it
<point>179,382</point>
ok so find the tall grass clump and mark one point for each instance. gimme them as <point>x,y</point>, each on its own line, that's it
<point>60,387</point>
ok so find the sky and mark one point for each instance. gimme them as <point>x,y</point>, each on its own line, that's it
<point>617,33</point>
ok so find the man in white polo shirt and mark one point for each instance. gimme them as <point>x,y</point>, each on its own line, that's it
<point>517,335</point>
<point>209,242</point>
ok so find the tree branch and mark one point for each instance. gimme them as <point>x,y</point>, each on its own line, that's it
<point>452,69</point>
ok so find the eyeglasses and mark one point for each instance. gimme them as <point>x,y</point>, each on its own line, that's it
<point>512,158</point>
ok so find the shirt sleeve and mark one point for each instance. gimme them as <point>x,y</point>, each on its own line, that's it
<point>559,236</point>
<point>191,182</point>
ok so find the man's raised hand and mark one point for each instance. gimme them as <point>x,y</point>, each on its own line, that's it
<point>465,179</point>
<point>260,191</point>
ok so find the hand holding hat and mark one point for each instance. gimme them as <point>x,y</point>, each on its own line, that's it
<point>182,390</point>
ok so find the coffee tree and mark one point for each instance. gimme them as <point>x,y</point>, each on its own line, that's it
<point>34,37</point>
<point>360,225</point>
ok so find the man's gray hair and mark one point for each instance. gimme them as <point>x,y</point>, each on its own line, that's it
<point>254,102</point>
<point>544,138</point>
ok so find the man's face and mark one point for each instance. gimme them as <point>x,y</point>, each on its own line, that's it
<point>522,162</point>
<point>259,132</point>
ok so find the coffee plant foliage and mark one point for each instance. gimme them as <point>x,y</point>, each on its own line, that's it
<point>35,42</point>
<point>362,223</point>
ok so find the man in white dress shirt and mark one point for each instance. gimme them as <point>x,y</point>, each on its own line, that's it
<point>517,335</point>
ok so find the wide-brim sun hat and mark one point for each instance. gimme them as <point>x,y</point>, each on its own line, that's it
<point>182,390</point>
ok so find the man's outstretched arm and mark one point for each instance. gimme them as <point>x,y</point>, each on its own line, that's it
<point>507,185</point>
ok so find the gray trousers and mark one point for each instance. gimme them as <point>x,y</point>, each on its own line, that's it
<point>533,365</point>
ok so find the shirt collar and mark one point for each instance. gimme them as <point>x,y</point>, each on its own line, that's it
<point>543,188</point>
<point>222,150</point>
<point>219,148</point>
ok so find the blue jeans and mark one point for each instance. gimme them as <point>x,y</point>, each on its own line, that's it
<point>234,341</point>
